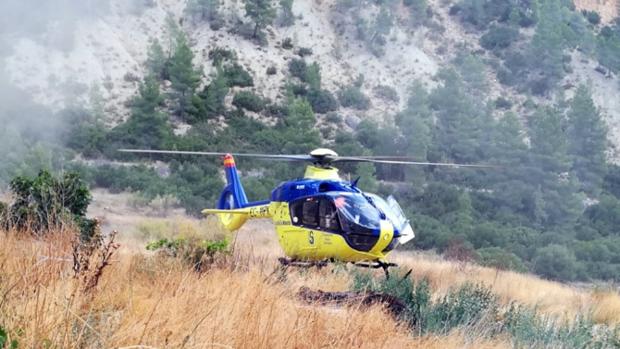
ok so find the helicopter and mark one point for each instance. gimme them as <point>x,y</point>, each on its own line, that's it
<point>321,217</point>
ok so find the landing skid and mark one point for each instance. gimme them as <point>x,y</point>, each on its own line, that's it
<point>376,265</point>
<point>320,264</point>
<point>302,264</point>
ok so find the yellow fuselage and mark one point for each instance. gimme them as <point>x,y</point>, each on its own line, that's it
<point>302,243</point>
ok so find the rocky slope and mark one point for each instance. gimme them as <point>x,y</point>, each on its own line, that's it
<point>106,53</point>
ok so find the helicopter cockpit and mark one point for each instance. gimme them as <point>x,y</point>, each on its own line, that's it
<point>355,216</point>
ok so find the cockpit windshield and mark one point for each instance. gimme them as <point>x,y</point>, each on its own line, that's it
<point>355,209</point>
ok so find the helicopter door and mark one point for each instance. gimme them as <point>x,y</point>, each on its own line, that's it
<point>402,223</point>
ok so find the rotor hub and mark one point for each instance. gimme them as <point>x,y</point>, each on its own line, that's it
<point>323,157</point>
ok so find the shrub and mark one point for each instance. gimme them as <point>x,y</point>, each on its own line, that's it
<point>272,70</point>
<point>218,55</point>
<point>334,118</point>
<point>555,262</point>
<point>387,93</point>
<point>236,75</point>
<point>592,16</point>
<point>200,254</point>
<point>304,51</point>
<point>499,37</point>
<point>503,103</point>
<point>498,258</point>
<point>298,67</point>
<point>249,101</point>
<point>322,101</point>
<point>287,44</point>
<point>5,341</point>
<point>45,202</point>
<point>352,97</point>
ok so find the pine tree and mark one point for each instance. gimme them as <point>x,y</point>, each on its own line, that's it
<point>183,76</point>
<point>286,18</point>
<point>205,10</point>
<point>549,169</point>
<point>299,131</point>
<point>587,141</point>
<point>146,127</point>
<point>414,124</point>
<point>547,46</point>
<point>261,12</point>
<point>461,121</point>
<point>216,92</point>
<point>156,62</point>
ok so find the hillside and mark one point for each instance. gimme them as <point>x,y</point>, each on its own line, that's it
<point>528,86</point>
<point>105,51</point>
<point>244,301</point>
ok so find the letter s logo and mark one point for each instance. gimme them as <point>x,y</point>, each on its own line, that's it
<point>311,238</point>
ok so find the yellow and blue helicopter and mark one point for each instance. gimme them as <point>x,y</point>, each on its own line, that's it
<point>319,217</point>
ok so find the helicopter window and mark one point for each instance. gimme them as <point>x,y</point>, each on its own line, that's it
<point>357,211</point>
<point>310,212</point>
<point>328,215</point>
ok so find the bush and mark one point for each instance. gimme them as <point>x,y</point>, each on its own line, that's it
<point>298,67</point>
<point>218,55</point>
<point>499,37</point>
<point>387,93</point>
<point>592,16</point>
<point>555,262</point>
<point>322,101</point>
<point>236,75</point>
<point>45,202</point>
<point>272,70</point>
<point>200,254</point>
<point>352,97</point>
<point>503,103</point>
<point>287,44</point>
<point>249,101</point>
<point>304,51</point>
<point>500,259</point>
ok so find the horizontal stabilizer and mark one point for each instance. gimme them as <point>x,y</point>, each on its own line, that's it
<point>225,211</point>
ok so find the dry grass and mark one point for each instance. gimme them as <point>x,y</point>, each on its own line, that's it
<point>158,302</point>
<point>549,297</point>
<point>143,299</point>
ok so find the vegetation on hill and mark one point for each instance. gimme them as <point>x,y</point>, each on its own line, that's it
<point>553,208</point>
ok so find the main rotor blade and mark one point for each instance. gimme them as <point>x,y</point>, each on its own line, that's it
<point>400,162</point>
<point>209,153</point>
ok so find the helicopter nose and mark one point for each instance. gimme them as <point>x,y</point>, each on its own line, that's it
<point>386,235</point>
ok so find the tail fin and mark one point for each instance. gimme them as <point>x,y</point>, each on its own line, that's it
<point>233,197</point>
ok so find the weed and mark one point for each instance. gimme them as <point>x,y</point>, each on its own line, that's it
<point>200,254</point>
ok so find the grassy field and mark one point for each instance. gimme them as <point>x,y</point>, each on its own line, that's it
<point>143,300</point>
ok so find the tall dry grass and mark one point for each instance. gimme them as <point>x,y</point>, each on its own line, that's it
<point>548,297</point>
<point>150,301</point>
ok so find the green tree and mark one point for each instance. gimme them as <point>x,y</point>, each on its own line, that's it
<point>212,97</point>
<point>183,76</point>
<point>418,11</point>
<point>414,124</point>
<point>587,134</point>
<point>555,262</point>
<point>261,12</point>
<point>547,46</point>
<point>462,121</point>
<point>299,132</point>
<point>286,18</point>
<point>146,127</point>
<point>205,10</point>
<point>156,60</point>
<point>45,202</point>
<point>550,166</point>
<point>366,174</point>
